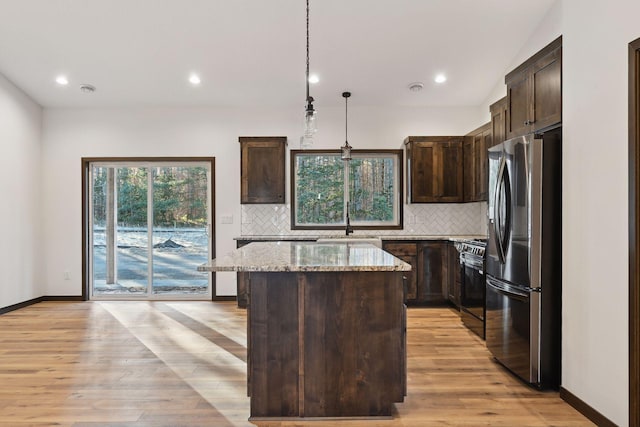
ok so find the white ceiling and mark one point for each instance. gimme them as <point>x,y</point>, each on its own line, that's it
<point>252,52</point>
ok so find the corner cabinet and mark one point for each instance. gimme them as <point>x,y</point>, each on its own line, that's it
<point>534,92</point>
<point>262,169</point>
<point>434,169</point>
<point>499,113</point>
<point>475,163</point>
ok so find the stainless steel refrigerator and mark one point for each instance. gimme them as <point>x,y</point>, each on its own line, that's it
<point>523,257</point>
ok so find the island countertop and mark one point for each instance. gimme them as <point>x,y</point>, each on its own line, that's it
<point>306,256</point>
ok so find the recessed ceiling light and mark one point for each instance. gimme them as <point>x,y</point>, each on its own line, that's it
<point>194,79</point>
<point>62,80</point>
<point>313,79</point>
<point>440,78</point>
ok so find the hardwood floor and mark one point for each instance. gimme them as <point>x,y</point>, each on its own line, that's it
<point>184,364</point>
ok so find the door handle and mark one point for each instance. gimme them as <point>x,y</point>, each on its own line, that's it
<point>496,211</point>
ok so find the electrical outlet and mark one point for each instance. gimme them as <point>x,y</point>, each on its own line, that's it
<point>67,275</point>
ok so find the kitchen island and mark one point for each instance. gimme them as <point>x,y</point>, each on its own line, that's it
<point>326,328</point>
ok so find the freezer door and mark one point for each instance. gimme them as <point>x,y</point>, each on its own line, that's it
<point>512,332</point>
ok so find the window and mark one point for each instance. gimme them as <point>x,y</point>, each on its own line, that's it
<point>148,227</point>
<point>322,186</point>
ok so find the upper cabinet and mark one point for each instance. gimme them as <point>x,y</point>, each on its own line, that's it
<point>262,171</point>
<point>434,169</point>
<point>534,92</point>
<point>498,122</point>
<point>475,163</point>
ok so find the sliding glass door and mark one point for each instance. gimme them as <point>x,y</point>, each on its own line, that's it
<point>150,229</point>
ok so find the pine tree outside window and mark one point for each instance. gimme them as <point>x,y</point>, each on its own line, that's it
<point>322,184</point>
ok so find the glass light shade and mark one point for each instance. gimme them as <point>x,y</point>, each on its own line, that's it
<point>346,151</point>
<point>310,128</point>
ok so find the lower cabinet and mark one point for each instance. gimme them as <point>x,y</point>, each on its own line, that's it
<point>434,278</point>
<point>455,276</point>
<point>408,252</point>
<point>433,268</point>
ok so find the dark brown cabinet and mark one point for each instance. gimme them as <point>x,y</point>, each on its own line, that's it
<point>534,92</point>
<point>475,163</point>
<point>262,177</point>
<point>434,169</point>
<point>408,252</point>
<point>454,279</point>
<point>498,122</point>
<point>433,260</point>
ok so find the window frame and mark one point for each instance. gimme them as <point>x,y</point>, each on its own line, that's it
<point>399,154</point>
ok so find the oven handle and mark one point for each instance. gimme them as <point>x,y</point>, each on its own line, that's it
<point>508,291</point>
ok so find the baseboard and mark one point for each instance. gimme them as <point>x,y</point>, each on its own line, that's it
<point>586,410</point>
<point>24,304</point>
<point>20,305</point>
<point>224,298</point>
<point>63,298</point>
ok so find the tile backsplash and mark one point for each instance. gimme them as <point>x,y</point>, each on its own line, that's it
<point>446,219</point>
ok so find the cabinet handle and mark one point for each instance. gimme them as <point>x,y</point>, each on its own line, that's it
<point>529,122</point>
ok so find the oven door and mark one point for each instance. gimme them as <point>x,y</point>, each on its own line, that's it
<point>508,327</point>
<point>472,295</point>
<point>473,290</point>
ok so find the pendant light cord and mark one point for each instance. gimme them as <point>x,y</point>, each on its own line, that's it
<point>346,96</point>
<point>307,73</point>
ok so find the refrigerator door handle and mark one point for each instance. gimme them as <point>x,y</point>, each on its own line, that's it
<point>508,291</point>
<point>502,225</point>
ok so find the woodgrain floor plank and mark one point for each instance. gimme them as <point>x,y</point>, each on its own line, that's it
<point>184,364</point>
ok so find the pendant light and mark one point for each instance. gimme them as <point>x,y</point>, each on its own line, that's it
<point>310,114</point>
<point>346,148</point>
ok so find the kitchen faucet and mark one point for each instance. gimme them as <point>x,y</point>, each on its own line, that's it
<point>348,229</point>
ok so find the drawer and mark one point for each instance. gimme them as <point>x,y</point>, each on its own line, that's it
<point>400,249</point>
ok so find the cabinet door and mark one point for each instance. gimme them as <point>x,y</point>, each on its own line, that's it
<point>498,122</point>
<point>518,90</point>
<point>262,178</point>
<point>468,151</point>
<point>435,169</point>
<point>453,282</point>
<point>408,253</point>
<point>432,265</point>
<point>423,169</point>
<point>547,90</point>
<point>475,163</point>
<point>482,165</point>
<point>449,177</point>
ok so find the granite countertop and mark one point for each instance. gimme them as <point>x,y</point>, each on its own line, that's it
<point>306,256</point>
<point>408,237</point>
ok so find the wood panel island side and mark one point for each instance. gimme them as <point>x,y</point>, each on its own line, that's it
<point>326,329</point>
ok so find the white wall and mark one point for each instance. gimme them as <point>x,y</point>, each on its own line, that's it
<point>20,183</point>
<point>595,133</point>
<point>70,134</point>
